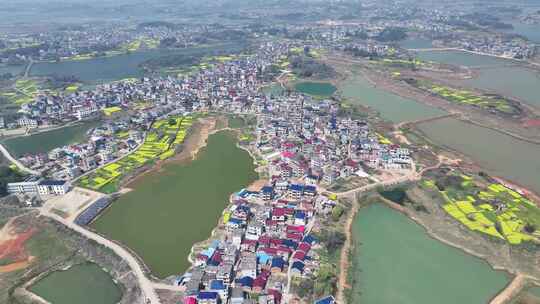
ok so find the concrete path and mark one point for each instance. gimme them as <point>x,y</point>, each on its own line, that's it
<point>147,286</point>
<point>19,165</point>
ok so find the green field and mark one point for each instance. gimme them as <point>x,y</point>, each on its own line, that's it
<point>487,102</point>
<point>160,143</point>
<point>24,91</point>
<point>492,209</point>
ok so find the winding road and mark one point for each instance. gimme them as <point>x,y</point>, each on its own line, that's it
<point>19,165</point>
<point>146,285</point>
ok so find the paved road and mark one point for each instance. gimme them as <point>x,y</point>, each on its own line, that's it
<point>22,167</point>
<point>145,284</point>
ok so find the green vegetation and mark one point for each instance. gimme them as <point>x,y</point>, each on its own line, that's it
<point>489,208</point>
<point>307,67</point>
<point>488,102</point>
<point>160,143</point>
<point>8,175</point>
<point>24,91</point>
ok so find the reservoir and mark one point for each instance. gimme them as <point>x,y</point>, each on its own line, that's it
<point>81,284</point>
<point>397,262</point>
<point>321,89</point>
<point>170,210</point>
<point>44,142</point>
<point>358,90</point>
<point>505,156</point>
<point>104,69</point>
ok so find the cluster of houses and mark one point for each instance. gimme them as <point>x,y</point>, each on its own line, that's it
<point>312,141</point>
<point>234,82</point>
<point>104,143</point>
<point>265,239</point>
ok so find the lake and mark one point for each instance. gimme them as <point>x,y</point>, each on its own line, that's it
<point>397,262</point>
<point>505,156</point>
<point>81,284</point>
<point>104,69</point>
<point>44,142</point>
<point>13,69</point>
<point>321,89</point>
<point>513,81</point>
<point>170,210</point>
<point>461,58</point>
<point>358,90</point>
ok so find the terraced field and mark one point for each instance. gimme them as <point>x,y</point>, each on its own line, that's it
<point>494,210</point>
<point>160,143</point>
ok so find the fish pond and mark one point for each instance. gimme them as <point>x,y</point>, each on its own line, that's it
<point>170,210</point>
<point>81,284</point>
<point>397,262</point>
<point>503,155</point>
<point>317,89</point>
<point>498,75</point>
<point>358,90</point>
<point>43,142</point>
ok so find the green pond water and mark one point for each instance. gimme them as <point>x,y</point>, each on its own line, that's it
<point>45,141</point>
<point>358,90</point>
<point>80,284</point>
<point>323,89</point>
<point>397,262</point>
<point>505,156</point>
<point>169,211</point>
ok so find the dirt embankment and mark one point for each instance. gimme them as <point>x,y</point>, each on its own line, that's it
<point>194,142</point>
<point>500,255</point>
<point>508,125</point>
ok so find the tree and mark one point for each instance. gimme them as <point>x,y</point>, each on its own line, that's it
<point>337,212</point>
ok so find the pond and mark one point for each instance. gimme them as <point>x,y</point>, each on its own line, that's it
<point>81,284</point>
<point>44,142</point>
<point>397,262</point>
<point>170,210</point>
<point>503,155</point>
<point>358,90</point>
<point>320,89</point>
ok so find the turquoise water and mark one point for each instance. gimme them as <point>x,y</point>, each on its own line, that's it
<point>397,262</point>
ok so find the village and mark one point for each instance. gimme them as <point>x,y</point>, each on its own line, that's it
<point>304,145</point>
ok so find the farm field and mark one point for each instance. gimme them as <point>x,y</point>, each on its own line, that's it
<point>465,97</point>
<point>160,143</point>
<point>24,91</point>
<point>491,209</point>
